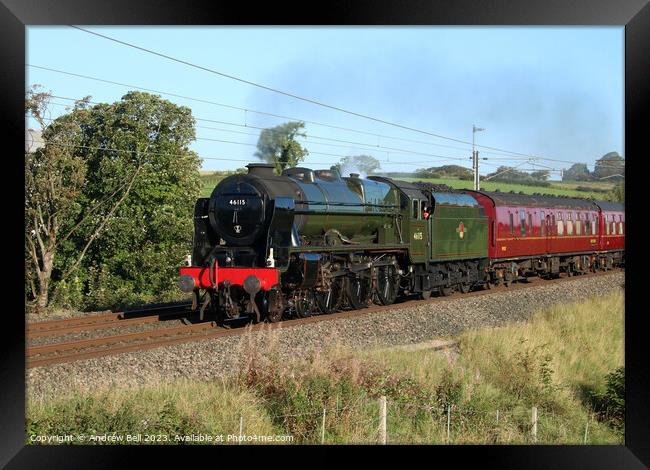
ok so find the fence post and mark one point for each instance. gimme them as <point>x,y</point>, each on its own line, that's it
<point>497,416</point>
<point>448,420</point>
<point>534,420</point>
<point>322,435</point>
<point>241,428</point>
<point>586,430</point>
<point>382,420</point>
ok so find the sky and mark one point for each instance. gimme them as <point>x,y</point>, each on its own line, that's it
<point>552,93</point>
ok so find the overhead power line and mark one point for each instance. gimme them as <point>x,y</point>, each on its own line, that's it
<point>279,116</point>
<point>245,110</point>
<point>369,150</point>
<point>285,93</point>
<point>222,158</point>
<point>370,147</point>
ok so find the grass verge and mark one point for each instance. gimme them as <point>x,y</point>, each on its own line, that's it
<point>559,363</point>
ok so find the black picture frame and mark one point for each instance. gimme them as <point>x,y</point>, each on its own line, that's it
<point>15,15</point>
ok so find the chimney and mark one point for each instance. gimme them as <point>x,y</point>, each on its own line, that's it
<point>261,169</point>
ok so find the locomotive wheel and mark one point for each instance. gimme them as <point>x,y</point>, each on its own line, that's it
<point>424,295</point>
<point>329,301</point>
<point>464,288</point>
<point>274,305</point>
<point>304,304</point>
<point>386,285</point>
<point>446,291</point>
<point>487,285</point>
<point>359,290</point>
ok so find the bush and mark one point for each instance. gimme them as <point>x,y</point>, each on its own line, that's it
<point>610,404</point>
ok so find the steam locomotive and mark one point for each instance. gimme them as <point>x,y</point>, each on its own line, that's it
<point>268,247</point>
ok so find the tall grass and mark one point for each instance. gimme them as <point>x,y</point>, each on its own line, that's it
<point>558,362</point>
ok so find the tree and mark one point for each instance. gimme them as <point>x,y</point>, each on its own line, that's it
<point>278,146</point>
<point>577,172</point>
<point>54,178</point>
<point>610,166</point>
<point>132,224</point>
<point>362,164</point>
<point>618,193</point>
<point>509,175</point>
<point>446,171</point>
<point>541,175</point>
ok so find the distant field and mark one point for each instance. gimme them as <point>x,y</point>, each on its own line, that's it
<point>210,180</point>
<point>557,188</point>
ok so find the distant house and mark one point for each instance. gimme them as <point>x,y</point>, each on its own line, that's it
<point>33,140</point>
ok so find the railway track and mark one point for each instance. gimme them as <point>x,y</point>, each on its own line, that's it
<point>56,353</point>
<point>104,320</point>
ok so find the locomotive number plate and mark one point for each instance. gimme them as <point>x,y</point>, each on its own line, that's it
<point>237,202</point>
<point>417,236</point>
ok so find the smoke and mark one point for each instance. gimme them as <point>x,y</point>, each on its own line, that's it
<point>348,169</point>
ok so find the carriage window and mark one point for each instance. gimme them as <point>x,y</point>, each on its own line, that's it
<point>569,226</point>
<point>512,225</point>
<point>560,227</point>
<point>522,222</point>
<point>620,228</point>
<point>579,224</point>
<point>607,228</point>
<point>587,224</point>
<point>542,220</point>
<point>415,208</point>
<point>594,227</point>
<point>530,224</point>
<point>552,227</point>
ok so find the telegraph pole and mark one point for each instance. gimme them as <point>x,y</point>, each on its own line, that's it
<point>477,179</point>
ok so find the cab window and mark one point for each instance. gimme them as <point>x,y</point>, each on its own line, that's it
<point>416,205</point>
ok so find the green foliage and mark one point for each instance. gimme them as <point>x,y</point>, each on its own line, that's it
<point>54,181</point>
<point>97,415</point>
<point>610,404</point>
<point>279,147</point>
<point>132,219</point>
<point>362,164</point>
<point>449,390</point>
<point>577,172</point>
<point>446,171</point>
<point>618,193</point>
<point>541,175</point>
<point>611,165</point>
<point>508,174</point>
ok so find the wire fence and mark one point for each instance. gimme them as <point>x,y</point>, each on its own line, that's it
<point>372,421</point>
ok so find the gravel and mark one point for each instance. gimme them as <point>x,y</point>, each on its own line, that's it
<point>213,358</point>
